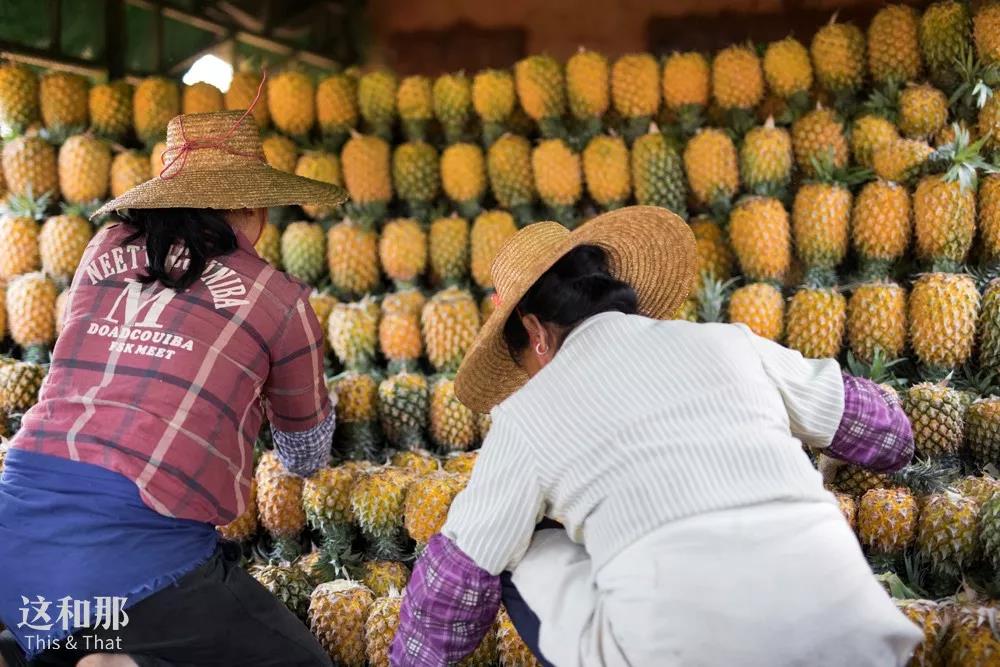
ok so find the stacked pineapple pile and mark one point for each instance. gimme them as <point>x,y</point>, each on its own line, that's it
<point>843,196</point>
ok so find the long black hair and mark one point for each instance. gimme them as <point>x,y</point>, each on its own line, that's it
<point>577,287</point>
<point>204,232</point>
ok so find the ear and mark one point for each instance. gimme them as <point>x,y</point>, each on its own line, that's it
<point>536,330</point>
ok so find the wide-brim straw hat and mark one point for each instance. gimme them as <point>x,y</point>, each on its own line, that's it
<point>215,160</point>
<point>650,248</point>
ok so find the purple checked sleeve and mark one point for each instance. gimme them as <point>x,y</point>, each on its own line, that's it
<point>449,606</point>
<point>874,431</point>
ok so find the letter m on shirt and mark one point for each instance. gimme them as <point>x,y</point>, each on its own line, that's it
<point>138,301</point>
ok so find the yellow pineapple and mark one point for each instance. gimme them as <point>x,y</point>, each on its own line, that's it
<point>838,55</point>
<point>110,106</point>
<point>944,217</point>
<point>876,319</point>
<point>710,163</point>
<point>489,233</point>
<point>923,111</point>
<point>541,88</point>
<point>947,533</point>
<point>453,104</point>
<point>128,169</point>
<point>943,312</point>
<point>766,159</point>
<point>380,629</point>
<point>291,102</point>
<point>244,527</point>
<point>302,250</point>
<point>788,70</point>
<point>972,639</point>
<point>449,321</point>
<point>418,461</point>
<point>427,502</point>
<point>337,614</point>
<point>29,167</point>
<point>463,176</point>
<point>737,78</point>
<point>377,101</point>
<point>18,98</point>
<point>900,160</point>
<point>378,500</point>
<point>63,97</point>
<point>989,122</point>
<point>887,520</point>
<point>352,258</point>
<point>319,166</point>
<point>31,301</point>
<point>367,174</point>
<point>201,97</point>
<point>818,139</point>
<point>399,331</point>
<point>416,176</point>
<point>463,462</point>
<point>268,246</point>
<point>326,500</point>
<point>989,216</point>
<point>815,322</point>
<point>936,413</point>
<point>588,88</point>
<point>821,217</point>
<point>452,425</point>
<point>357,414</point>
<point>686,83</point>
<point>510,647</point>
<point>156,100</point>
<point>337,107</point>
<point>84,169</point>
<point>415,104</point>
<point>322,304</point>
<point>715,257</point>
<point>944,38</point>
<point>19,385</point>
<point>19,239</point>
<point>658,175</point>
<point>241,94</point>
<point>279,504</point>
<point>353,332</point>
<point>986,29</point>
<point>508,164</point>
<point>61,244</point>
<point>760,236</point>
<point>448,250</point>
<point>493,98</point>
<point>280,152</point>
<point>869,133</point>
<point>635,91</point>
<point>403,251</point>
<point>893,45</point>
<point>849,508</point>
<point>558,177</point>
<point>606,171</point>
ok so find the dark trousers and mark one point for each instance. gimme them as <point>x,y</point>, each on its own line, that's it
<point>525,621</point>
<point>216,615</point>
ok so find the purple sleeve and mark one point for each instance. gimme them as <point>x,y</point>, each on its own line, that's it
<point>874,431</point>
<point>449,606</point>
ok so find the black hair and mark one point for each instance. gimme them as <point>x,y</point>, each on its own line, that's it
<point>204,232</point>
<point>577,287</point>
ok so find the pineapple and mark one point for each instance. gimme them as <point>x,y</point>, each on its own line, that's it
<point>558,178</point>
<point>766,159</point>
<point>855,480</point>
<point>403,251</point>
<point>380,629</point>
<point>201,97</point>
<point>268,246</point>
<point>241,94</point>
<point>936,414</point>
<point>869,133</point>
<point>493,98</point>
<point>357,414</point>
<point>788,70</point>
<point>635,91</point>
<point>18,98</point>
<point>303,246</point>
<point>326,500</point>
<point>485,654</point>
<point>322,305</point>
<point>367,174</point>
<point>989,333</point>
<point>686,84</point>
<point>403,401</point>
<point>110,107</point>
<point>463,177</point>
<point>923,111</point>
<point>980,489</point>
<point>900,160</point>
<point>338,611</point>
<point>29,167</point>
<point>418,461</point>
<point>319,166</point>
<point>128,169</point>
<point>453,104</point>
<point>31,308</point>
<point>416,176</point>
<point>19,385</point>
<point>838,55</point>
<point>377,101</point>
<point>449,321</point>
<point>279,505</point>
<point>63,98</point>
<point>508,164</point>
<point>463,462</point>
<point>944,37</point>
<point>510,646</point>
<point>876,320</point>
<point>821,217</point>
<point>588,88</point>
<point>944,214</point>
<point>61,245</point>
<point>452,425</point>
<point>986,29</point>
<point>887,520</point>
<point>288,583</point>
<point>606,171</point>
<point>400,337</point>
<point>943,311</point>
<point>989,122</point>
<point>490,232</point>
<point>761,307</point>
<point>982,434</point>
<point>383,577</point>
<point>280,152</point>
<point>893,45</point>
<point>541,88</point>
<point>819,141</point>
<point>710,163</point>
<point>19,239</point>
<point>427,502</point>
<point>415,102</point>
<point>352,258</point>
<point>881,225</point>
<point>947,533</point>
<point>84,169</point>
<point>815,322</point>
<point>715,257</point>
<point>759,233</point>
<point>989,527</point>
<point>657,173</point>
<point>353,332</point>
<point>156,162</point>
<point>737,78</point>
<point>244,527</point>
<point>973,639</point>
<point>378,500</point>
<point>291,102</point>
<point>156,100</point>
<point>849,508</point>
<point>989,216</point>
<point>448,250</point>
<point>336,107</point>
<point>929,617</point>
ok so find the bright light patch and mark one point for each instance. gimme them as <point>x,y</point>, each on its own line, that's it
<point>210,69</point>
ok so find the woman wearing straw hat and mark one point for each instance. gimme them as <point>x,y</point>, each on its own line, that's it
<point>178,339</point>
<point>694,530</point>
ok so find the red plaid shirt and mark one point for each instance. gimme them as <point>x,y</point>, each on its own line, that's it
<point>164,387</point>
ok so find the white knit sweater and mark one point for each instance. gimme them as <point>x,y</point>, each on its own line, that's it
<point>636,423</point>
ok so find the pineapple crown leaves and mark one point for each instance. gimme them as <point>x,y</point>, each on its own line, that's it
<point>825,172</point>
<point>878,370</point>
<point>81,209</point>
<point>712,297</point>
<point>982,381</point>
<point>895,586</point>
<point>978,80</point>
<point>28,205</point>
<point>884,101</point>
<point>963,159</point>
<point>925,477</point>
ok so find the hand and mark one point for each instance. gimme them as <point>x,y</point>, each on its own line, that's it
<point>828,467</point>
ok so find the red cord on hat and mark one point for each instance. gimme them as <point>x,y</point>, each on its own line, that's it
<point>189,145</point>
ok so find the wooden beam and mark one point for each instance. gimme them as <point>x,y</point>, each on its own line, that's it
<point>44,58</point>
<point>55,27</point>
<point>216,44</point>
<point>186,18</point>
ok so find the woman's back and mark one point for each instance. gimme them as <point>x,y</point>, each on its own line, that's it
<point>162,385</point>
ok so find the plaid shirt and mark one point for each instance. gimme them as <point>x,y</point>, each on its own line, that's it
<point>451,602</point>
<point>165,387</point>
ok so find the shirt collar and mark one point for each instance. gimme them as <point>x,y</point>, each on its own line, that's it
<point>243,243</point>
<point>589,322</point>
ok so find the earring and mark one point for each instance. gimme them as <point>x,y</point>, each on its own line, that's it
<point>540,349</point>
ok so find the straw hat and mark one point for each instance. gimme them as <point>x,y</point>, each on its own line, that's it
<point>648,247</point>
<point>215,160</point>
